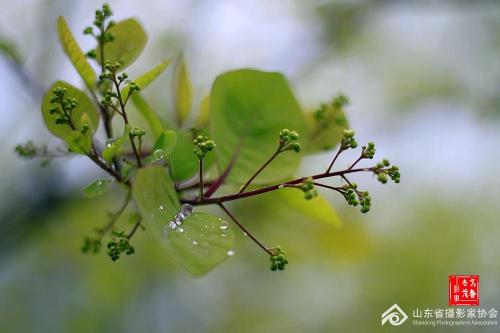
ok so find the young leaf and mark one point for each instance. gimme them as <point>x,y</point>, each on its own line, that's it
<point>112,149</point>
<point>183,162</point>
<point>74,53</point>
<point>250,108</point>
<point>204,240</point>
<point>78,142</point>
<point>182,91</point>
<point>166,142</point>
<point>97,187</point>
<point>325,128</point>
<point>84,113</point>
<point>149,114</point>
<point>163,147</point>
<point>318,208</point>
<point>129,41</point>
<point>201,121</point>
<point>144,80</point>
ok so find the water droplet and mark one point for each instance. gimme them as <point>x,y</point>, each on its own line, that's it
<point>161,207</point>
<point>244,233</point>
<point>158,154</point>
<point>187,208</point>
<point>166,230</point>
<point>181,216</point>
<point>220,220</point>
<point>178,221</point>
<point>172,225</point>
<point>224,226</point>
<point>230,253</point>
<point>180,229</point>
<point>195,242</point>
<point>281,186</point>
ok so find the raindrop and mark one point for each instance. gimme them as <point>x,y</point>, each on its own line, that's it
<point>230,253</point>
<point>166,230</point>
<point>195,242</point>
<point>161,207</point>
<point>180,229</point>
<point>181,216</point>
<point>158,154</point>
<point>223,226</point>
<point>172,225</point>
<point>187,208</point>
<point>281,186</point>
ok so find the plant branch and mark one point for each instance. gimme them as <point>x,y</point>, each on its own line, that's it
<point>276,153</point>
<point>134,229</point>
<point>334,159</point>
<point>200,160</point>
<point>245,230</point>
<point>219,181</point>
<point>114,216</point>
<point>237,196</point>
<point>125,118</point>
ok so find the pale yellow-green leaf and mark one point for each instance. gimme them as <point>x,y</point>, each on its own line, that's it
<point>317,208</point>
<point>78,142</point>
<point>183,91</point>
<point>74,53</point>
<point>148,113</point>
<point>129,42</point>
<point>84,113</point>
<point>200,243</point>
<point>202,119</point>
<point>144,80</point>
<point>112,149</point>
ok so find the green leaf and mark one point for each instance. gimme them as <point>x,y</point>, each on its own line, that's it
<point>129,41</point>
<point>205,239</point>
<point>85,111</point>
<point>155,194</point>
<point>97,187</point>
<point>144,80</point>
<point>325,128</point>
<point>250,108</point>
<point>163,147</point>
<point>182,91</point>
<point>318,208</point>
<point>78,142</point>
<point>112,149</point>
<point>74,53</point>
<point>183,162</point>
<point>166,142</point>
<point>148,113</point>
<point>201,121</point>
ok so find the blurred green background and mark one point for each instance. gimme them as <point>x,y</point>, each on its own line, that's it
<point>423,78</point>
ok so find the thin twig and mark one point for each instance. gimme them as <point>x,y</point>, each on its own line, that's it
<point>201,179</point>
<point>237,196</point>
<point>245,230</point>
<point>134,229</point>
<point>115,216</point>
<point>261,168</point>
<point>334,159</point>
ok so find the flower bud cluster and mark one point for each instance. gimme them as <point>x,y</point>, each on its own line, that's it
<point>278,259</point>
<point>288,140</point>
<point>202,146</point>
